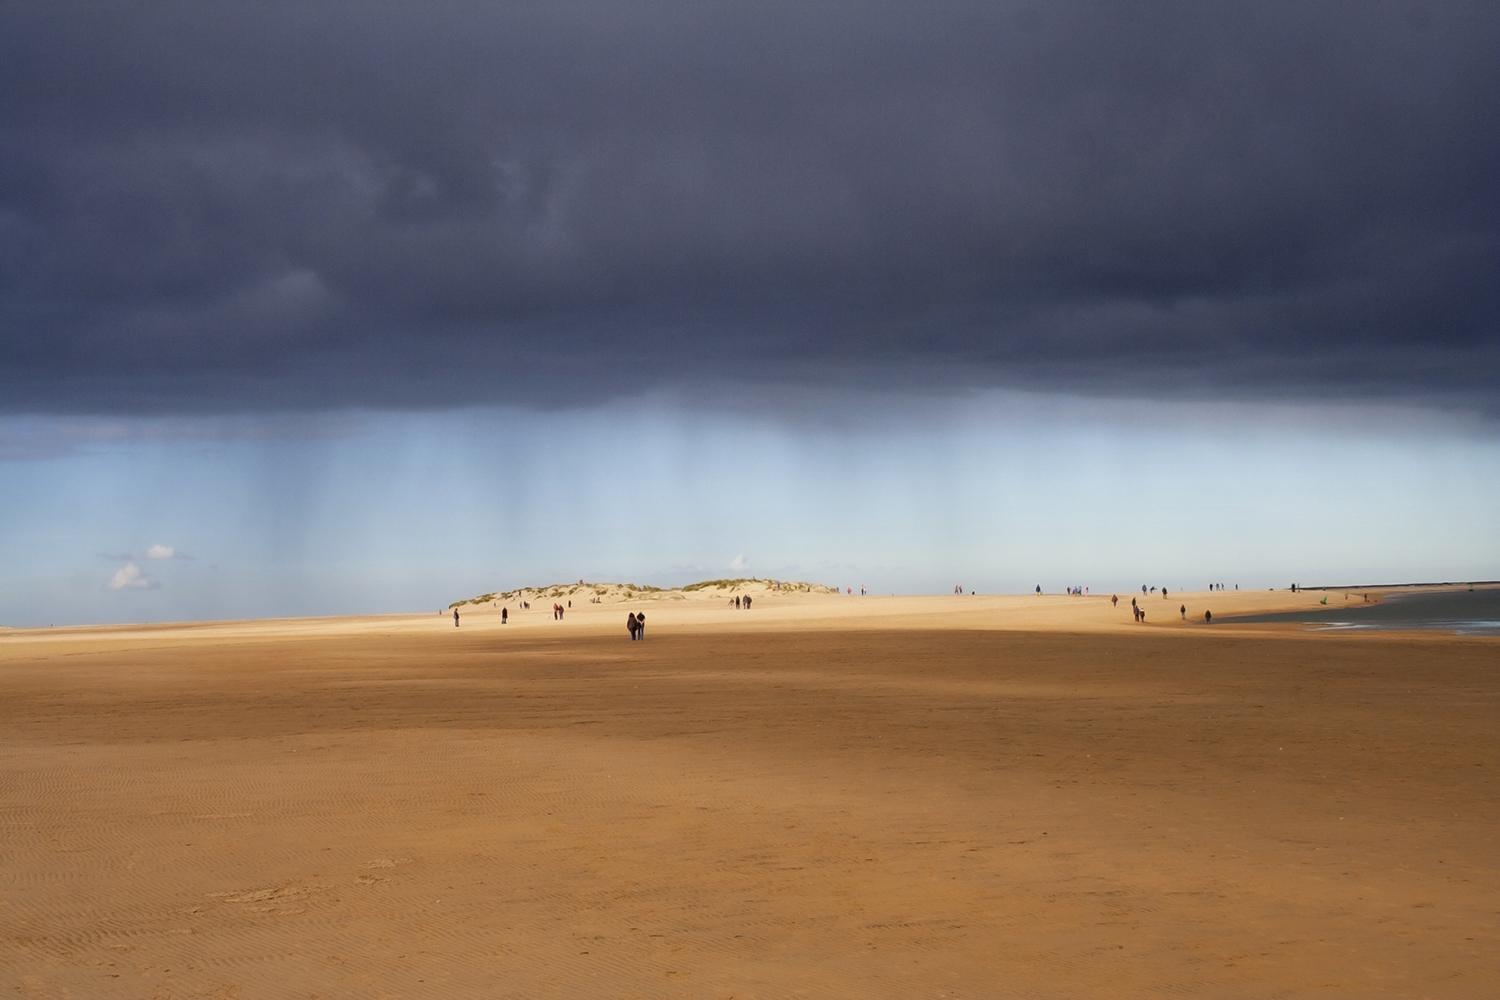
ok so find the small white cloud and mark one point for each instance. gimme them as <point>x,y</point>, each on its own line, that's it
<point>737,564</point>
<point>130,577</point>
<point>157,551</point>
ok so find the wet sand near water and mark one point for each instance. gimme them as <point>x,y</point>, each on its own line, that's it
<point>816,804</point>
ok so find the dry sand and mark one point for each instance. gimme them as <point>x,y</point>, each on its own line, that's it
<point>822,797</point>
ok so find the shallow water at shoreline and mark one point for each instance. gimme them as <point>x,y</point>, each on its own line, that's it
<point>1463,612</point>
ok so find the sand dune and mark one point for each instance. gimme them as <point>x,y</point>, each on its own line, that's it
<point>827,797</point>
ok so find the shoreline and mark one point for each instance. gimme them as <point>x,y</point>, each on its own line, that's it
<point>798,611</point>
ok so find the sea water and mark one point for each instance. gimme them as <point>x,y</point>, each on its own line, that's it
<point>1465,612</point>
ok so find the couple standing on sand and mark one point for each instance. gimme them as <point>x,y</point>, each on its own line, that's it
<point>636,625</point>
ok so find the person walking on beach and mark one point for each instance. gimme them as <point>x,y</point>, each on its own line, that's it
<point>455,618</point>
<point>1208,617</point>
<point>1039,590</point>
<point>1183,609</point>
<point>1114,600</point>
<point>504,614</point>
<point>640,626</point>
<point>747,602</point>
<point>631,625</point>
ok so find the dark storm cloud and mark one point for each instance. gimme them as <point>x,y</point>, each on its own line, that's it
<point>264,206</point>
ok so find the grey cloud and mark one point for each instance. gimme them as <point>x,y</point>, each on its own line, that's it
<point>299,206</point>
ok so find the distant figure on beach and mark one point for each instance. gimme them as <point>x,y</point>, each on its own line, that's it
<point>640,625</point>
<point>1164,593</point>
<point>1208,616</point>
<point>1183,609</point>
<point>504,614</point>
<point>631,625</point>
<point>736,601</point>
<point>1143,588</point>
<point>1114,600</point>
<point>455,618</point>
<point>1132,602</point>
<point>1039,590</point>
<point>747,602</point>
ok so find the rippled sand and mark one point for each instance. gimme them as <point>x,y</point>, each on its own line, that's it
<point>909,799</point>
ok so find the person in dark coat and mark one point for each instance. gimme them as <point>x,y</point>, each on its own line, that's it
<point>455,618</point>
<point>504,614</point>
<point>640,625</point>
<point>631,625</point>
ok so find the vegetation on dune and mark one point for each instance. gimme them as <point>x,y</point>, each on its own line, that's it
<point>636,590</point>
<point>745,581</point>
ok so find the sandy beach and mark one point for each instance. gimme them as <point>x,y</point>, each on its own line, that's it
<point>825,796</point>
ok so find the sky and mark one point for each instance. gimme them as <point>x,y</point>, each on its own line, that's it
<point>332,307</point>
